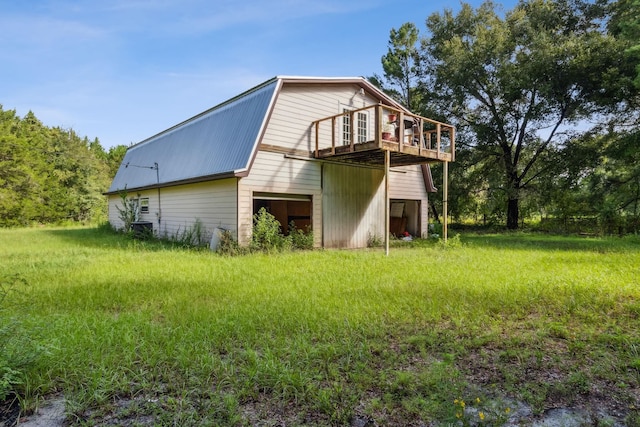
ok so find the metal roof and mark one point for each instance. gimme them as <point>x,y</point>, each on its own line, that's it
<point>215,143</point>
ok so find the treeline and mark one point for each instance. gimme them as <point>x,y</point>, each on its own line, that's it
<point>545,99</point>
<point>51,175</point>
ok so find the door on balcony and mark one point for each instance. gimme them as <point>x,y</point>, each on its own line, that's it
<point>354,125</point>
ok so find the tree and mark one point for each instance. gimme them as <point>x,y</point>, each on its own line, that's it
<point>114,157</point>
<point>521,86</point>
<point>48,175</point>
<point>401,66</point>
<point>626,25</point>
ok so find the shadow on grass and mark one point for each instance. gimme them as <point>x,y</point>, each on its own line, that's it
<point>106,238</point>
<point>528,241</point>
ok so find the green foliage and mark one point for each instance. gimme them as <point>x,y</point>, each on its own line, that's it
<point>625,25</point>
<point>519,87</point>
<point>17,352</point>
<point>267,235</point>
<point>48,175</point>
<point>128,211</point>
<point>195,235</point>
<point>402,66</point>
<point>300,239</point>
<point>510,78</point>
<point>228,245</point>
<point>374,240</point>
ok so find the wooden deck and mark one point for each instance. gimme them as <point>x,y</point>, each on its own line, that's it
<point>409,139</point>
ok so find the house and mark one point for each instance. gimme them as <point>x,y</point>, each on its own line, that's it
<point>335,154</point>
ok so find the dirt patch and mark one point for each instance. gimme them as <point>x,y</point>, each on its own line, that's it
<point>556,387</point>
<point>9,411</point>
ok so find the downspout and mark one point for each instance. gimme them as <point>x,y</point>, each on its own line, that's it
<point>159,204</point>
<point>428,179</point>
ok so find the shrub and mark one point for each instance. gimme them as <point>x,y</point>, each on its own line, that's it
<point>195,235</point>
<point>266,234</point>
<point>374,241</point>
<point>128,212</point>
<point>228,245</point>
<point>300,239</point>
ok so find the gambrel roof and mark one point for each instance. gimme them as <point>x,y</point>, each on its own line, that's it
<point>218,143</point>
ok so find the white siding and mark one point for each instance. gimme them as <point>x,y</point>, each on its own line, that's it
<point>299,105</point>
<point>354,205</point>
<point>275,173</point>
<point>213,203</point>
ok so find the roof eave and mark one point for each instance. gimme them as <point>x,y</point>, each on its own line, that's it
<point>225,175</point>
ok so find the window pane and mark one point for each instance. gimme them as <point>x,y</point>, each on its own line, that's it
<point>346,128</point>
<point>362,127</point>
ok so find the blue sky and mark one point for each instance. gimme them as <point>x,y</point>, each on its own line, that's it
<point>124,70</point>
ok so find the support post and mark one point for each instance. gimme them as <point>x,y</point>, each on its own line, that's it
<point>387,207</point>
<point>445,198</point>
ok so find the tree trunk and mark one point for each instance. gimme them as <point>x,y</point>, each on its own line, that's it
<point>512,213</point>
<point>434,210</point>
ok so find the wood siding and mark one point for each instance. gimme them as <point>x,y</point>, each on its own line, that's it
<point>275,173</point>
<point>213,203</point>
<point>353,205</point>
<point>298,105</point>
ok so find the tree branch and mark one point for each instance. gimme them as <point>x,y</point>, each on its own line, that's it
<point>523,127</point>
<point>544,145</point>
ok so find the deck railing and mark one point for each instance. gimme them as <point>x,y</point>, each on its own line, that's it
<point>383,127</point>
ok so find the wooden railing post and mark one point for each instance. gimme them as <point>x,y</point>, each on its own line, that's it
<point>317,128</point>
<point>333,135</point>
<point>352,129</point>
<point>400,131</point>
<point>378,124</point>
<point>438,141</point>
<point>420,136</point>
<point>452,132</point>
<point>425,133</point>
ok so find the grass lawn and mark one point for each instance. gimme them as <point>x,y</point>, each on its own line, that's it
<point>142,333</point>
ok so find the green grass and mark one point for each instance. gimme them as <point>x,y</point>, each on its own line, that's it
<point>147,333</point>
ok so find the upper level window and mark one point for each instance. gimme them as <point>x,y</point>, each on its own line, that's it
<point>362,126</point>
<point>361,119</point>
<point>346,127</point>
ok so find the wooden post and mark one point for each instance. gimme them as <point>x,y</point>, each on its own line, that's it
<point>333,135</point>
<point>317,127</point>
<point>378,119</point>
<point>387,206</point>
<point>438,136</point>
<point>400,131</point>
<point>445,198</point>
<point>352,129</point>
<point>453,144</point>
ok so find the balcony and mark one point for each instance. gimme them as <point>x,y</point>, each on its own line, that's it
<point>364,135</point>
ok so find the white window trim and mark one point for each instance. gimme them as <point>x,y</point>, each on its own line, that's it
<point>359,137</point>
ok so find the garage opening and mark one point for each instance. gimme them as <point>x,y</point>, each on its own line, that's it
<point>405,217</point>
<point>286,208</point>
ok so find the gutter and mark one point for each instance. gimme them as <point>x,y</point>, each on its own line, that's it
<point>214,177</point>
